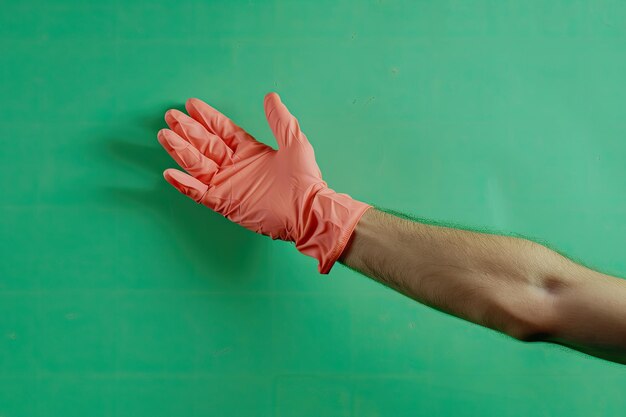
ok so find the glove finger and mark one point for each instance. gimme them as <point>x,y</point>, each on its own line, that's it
<point>188,157</point>
<point>186,184</point>
<point>218,124</point>
<point>284,125</point>
<point>207,143</point>
<point>198,191</point>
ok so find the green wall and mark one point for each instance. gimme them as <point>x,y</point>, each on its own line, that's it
<point>120,297</point>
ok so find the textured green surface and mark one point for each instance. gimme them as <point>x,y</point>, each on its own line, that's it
<point>118,296</point>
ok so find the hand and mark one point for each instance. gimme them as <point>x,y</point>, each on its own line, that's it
<point>278,193</point>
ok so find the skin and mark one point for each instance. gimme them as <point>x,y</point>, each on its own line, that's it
<point>512,285</point>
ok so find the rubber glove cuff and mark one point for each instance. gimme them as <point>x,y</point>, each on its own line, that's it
<point>330,222</point>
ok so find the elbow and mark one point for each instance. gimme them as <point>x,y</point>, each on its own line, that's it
<point>535,320</point>
<point>534,314</point>
<point>524,319</point>
<point>531,330</point>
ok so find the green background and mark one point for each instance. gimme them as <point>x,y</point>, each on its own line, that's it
<point>121,297</point>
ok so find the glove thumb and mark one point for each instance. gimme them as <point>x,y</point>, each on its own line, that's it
<point>283,124</point>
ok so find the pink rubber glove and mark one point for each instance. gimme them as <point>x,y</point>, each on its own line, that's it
<point>279,193</point>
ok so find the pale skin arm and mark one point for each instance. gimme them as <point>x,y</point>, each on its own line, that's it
<point>508,284</point>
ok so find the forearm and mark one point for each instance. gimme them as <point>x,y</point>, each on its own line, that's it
<point>511,285</point>
<point>508,284</point>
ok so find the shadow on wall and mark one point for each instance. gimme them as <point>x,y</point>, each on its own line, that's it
<point>215,245</point>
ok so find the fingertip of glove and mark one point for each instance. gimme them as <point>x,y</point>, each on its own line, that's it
<point>186,184</point>
<point>171,116</point>
<point>172,176</point>
<point>161,136</point>
<point>193,103</point>
<point>167,174</point>
<point>271,96</point>
<point>177,177</point>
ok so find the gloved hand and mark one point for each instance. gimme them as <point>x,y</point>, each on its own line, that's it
<point>279,193</point>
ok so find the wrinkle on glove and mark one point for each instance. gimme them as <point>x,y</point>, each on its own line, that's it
<point>278,193</point>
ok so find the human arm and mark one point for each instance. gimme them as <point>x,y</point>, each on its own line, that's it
<point>509,284</point>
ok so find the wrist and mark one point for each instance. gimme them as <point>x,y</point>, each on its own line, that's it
<point>326,231</point>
